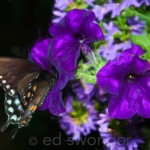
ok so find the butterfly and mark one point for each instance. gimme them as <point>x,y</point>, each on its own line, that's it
<point>26,86</point>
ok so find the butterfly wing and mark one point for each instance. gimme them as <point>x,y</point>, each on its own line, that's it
<point>36,99</point>
<point>13,109</point>
<point>12,70</point>
<point>26,88</point>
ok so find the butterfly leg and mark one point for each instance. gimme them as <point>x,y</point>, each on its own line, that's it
<point>14,132</point>
<point>5,125</point>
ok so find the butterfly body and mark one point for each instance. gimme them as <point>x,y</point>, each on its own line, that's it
<point>26,86</point>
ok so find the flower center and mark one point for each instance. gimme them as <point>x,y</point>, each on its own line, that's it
<point>80,37</point>
<point>80,113</point>
<point>130,77</point>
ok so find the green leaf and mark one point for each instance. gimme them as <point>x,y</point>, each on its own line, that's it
<point>87,71</point>
<point>143,40</point>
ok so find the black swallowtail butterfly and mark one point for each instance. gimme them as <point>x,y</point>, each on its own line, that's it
<point>26,86</point>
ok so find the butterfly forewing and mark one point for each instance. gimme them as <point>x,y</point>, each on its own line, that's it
<point>25,88</point>
<point>13,69</point>
<point>42,90</point>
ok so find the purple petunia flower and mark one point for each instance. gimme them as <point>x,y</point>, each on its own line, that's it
<point>69,36</point>
<point>127,80</point>
<point>75,31</point>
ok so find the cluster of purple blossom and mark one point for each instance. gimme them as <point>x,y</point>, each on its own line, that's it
<point>112,141</point>
<point>124,80</point>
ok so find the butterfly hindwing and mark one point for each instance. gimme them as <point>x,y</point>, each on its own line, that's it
<point>35,101</point>
<point>13,109</point>
<point>26,86</point>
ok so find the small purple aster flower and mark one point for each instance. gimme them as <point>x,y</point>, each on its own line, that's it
<point>146,2</point>
<point>111,29</point>
<point>133,143</point>
<point>100,11</point>
<point>62,4</point>
<point>114,8</point>
<point>90,2</point>
<point>111,51</point>
<point>127,80</point>
<point>84,92</point>
<point>112,142</point>
<point>136,25</point>
<point>79,121</point>
<point>117,8</point>
<point>59,7</point>
<point>58,16</point>
<point>128,3</point>
<point>69,36</point>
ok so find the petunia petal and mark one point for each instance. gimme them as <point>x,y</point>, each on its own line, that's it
<point>54,101</point>
<point>39,53</point>
<point>92,31</point>
<point>72,22</point>
<point>140,66</point>
<point>124,105</point>
<point>64,55</point>
<point>76,19</point>
<point>111,77</point>
<point>144,99</point>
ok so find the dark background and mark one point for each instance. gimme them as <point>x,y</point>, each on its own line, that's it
<point>21,23</point>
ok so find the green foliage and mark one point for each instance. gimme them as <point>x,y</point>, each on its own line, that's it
<point>146,134</point>
<point>80,4</point>
<point>87,71</point>
<point>79,113</point>
<point>130,12</point>
<point>144,41</point>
